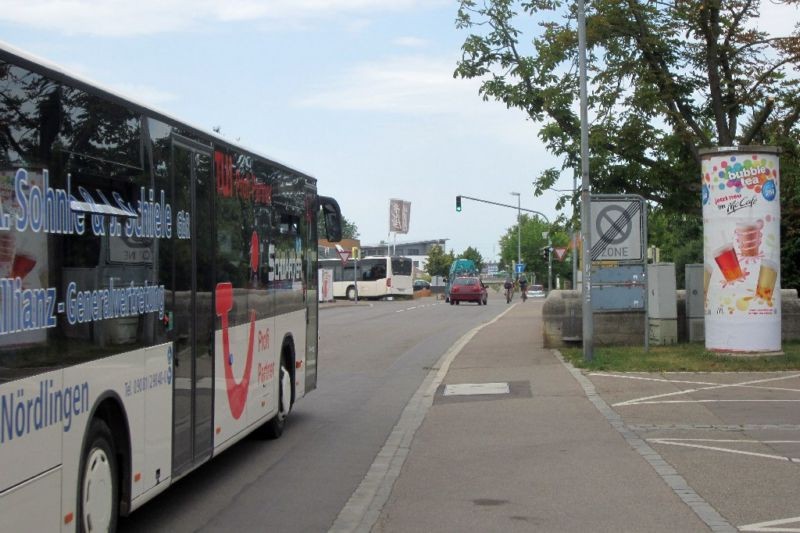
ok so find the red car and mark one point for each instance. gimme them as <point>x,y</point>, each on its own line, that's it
<point>468,289</point>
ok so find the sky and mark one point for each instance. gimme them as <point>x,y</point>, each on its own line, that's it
<point>359,94</point>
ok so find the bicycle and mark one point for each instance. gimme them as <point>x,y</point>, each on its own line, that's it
<point>523,293</point>
<point>509,294</point>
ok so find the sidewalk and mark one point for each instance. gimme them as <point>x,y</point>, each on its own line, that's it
<point>542,457</point>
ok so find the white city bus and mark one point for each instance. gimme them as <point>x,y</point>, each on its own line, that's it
<point>377,277</point>
<point>157,298</point>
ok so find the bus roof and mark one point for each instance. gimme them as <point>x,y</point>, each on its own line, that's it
<point>16,55</point>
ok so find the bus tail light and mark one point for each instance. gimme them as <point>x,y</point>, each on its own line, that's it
<point>388,283</point>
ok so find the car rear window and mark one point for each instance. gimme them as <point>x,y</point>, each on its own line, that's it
<point>537,287</point>
<point>466,281</point>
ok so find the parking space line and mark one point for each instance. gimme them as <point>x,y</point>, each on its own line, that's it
<point>642,378</point>
<point>684,443</point>
<point>704,511</point>
<point>645,399</point>
<point>708,401</point>
<point>770,527</point>
<point>715,427</point>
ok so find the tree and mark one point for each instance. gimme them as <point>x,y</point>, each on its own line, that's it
<point>438,261</point>
<point>666,78</point>
<point>474,255</point>
<point>349,229</point>
<point>679,237</point>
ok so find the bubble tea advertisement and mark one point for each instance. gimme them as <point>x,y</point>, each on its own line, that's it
<point>741,249</point>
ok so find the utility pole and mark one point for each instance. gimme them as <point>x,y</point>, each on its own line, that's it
<point>574,235</point>
<point>519,229</point>
<point>586,206</point>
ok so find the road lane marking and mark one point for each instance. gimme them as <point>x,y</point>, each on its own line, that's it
<point>363,509</point>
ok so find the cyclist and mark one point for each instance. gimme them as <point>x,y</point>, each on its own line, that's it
<point>523,288</point>
<point>509,286</point>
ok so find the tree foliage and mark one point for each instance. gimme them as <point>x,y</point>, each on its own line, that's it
<point>349,229</point>
<point>666,79</point>
<point>474,255</point>
<point>438,261</point>
<point>533,246</point>
<point>679,237</point>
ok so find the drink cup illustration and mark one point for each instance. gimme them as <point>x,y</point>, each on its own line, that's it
<point>728,263</point>
<point>767,276</point>
<point>748,237</point>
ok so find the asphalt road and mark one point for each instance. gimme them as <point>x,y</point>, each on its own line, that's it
<point>373,357</point>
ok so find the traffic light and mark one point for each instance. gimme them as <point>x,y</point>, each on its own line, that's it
<point>458,204</point>
<point>355,253</point>
<point>545,252</point>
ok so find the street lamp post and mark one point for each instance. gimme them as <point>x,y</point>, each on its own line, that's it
<point>519,228</point>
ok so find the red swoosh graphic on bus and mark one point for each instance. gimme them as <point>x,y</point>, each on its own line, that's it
<point>237,392</point>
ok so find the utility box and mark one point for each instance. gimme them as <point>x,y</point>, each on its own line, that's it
<point>695,302</point>
<point>662,304</point>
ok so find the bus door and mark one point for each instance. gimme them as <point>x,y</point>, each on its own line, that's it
<point>193,313</point>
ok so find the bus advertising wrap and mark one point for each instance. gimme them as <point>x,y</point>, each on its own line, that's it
<point>741,249</point>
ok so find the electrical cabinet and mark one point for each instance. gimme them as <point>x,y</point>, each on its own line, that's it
<point>662,304</point>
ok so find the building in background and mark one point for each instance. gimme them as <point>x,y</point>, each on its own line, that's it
<point>417,250</point>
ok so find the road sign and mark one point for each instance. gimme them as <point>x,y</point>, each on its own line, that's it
<point>519,268</point>
<point>344,255</point>
<point>560,253</point>
<point>617,228</point>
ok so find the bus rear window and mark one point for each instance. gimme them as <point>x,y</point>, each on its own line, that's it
<point>401,266</point>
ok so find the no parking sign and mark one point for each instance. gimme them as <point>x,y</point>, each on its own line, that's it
<point>617,228</point>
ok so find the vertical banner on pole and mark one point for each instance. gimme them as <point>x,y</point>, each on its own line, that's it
<point>741,249</point>
<point>399,216</point>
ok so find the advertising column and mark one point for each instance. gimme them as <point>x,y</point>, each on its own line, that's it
<point>741,249</point>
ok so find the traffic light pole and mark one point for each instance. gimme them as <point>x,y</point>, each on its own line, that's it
<point>517,208</point>
<point>519,246</point>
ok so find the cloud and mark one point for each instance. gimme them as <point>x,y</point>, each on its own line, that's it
<point>120,18</point>
<point>777,19</point>
<point>411,42</point>
<point>144,94</point>
<point>411,84</point>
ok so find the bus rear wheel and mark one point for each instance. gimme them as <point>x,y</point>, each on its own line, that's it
<point>351,293</point>
<point>275,425</point>
<point>98,486</point>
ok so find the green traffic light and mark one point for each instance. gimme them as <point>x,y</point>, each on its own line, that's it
<point>458,204</point>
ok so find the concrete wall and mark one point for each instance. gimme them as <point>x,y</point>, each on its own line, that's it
<point>562,311</point>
